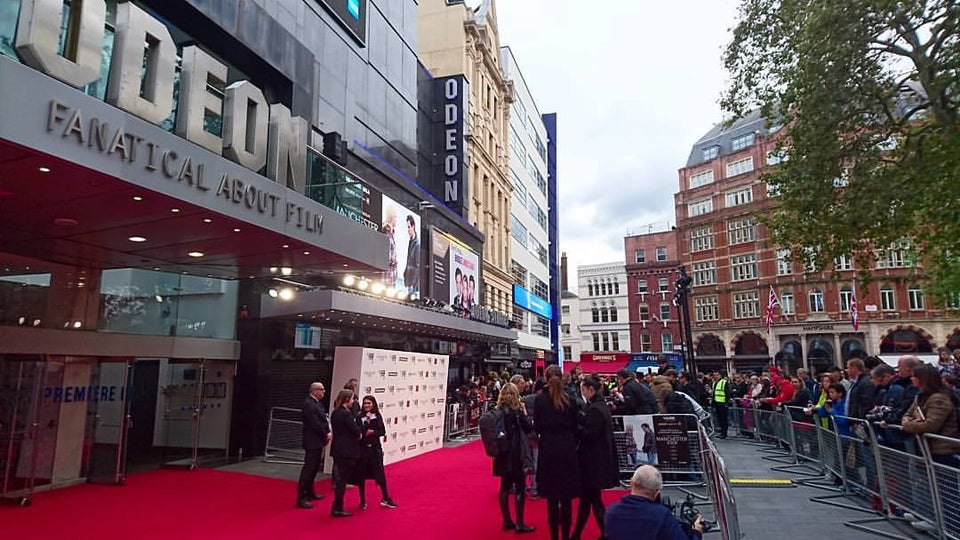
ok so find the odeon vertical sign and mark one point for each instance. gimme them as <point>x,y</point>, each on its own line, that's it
<point>142,73</point>
<point>455,93</point>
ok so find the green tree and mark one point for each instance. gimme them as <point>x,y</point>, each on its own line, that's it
<point>867,92</point>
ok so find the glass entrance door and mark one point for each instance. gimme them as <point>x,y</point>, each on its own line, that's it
<point>181,403</point>
<point>107,422</point>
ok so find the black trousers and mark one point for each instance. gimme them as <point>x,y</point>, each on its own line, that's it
<point>591,500</point>
<point>723,417</point>
<point>346,466</point>
<point>308,474</point>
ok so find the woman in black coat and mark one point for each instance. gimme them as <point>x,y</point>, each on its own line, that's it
<point>599,469</point>
<point>345,448</point>
<point>558,471</point>
<point>510,466</point>
<point>370,462</point>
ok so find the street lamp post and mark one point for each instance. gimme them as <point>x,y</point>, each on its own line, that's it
<point>681,299</point>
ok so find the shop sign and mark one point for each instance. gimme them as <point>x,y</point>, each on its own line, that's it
<point>70,394</point>
<point>141,82</point>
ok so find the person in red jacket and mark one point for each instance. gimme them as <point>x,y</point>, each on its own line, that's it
<point>785,389</point>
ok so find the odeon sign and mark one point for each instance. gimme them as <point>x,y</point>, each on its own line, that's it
<point>141,82</point>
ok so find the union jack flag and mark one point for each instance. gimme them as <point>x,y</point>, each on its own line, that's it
<point>854,312</point>
<point>772,302</point>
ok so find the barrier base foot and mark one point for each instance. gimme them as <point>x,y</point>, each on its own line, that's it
<point>861,525</point>
<point>830,500</point>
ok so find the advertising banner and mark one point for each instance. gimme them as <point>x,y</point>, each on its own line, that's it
<point>673,443</point>
<point>402,227</point>
<point>455,271</point>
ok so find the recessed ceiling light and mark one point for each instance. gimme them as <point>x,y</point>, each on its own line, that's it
<point>156,268</point>
<point>306,252</point>
<point>236,230</point>
<point>44,169</point>
<point>195,254</point>
<point>345,265</point>
<point>137,239</point>
<point>207,220</point>
<point>137,198</point>
<point>65,222</point>
<point>286,271</point>
<point>175,210</point>
<point>285,246</point>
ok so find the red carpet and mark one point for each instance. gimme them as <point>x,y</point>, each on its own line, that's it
<point>449,493</point>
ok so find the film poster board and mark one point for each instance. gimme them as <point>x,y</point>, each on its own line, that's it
<point>673,442</point>
<point>455,271</point>
<point>411,389</point>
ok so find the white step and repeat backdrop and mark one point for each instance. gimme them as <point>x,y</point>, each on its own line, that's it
<point>411,389</point>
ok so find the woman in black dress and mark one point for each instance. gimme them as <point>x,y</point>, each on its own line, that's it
<point>599,468</point>
<point>345,448</point>
<point>509,466</point>
<point>558,471</point>
<point>370,462</point>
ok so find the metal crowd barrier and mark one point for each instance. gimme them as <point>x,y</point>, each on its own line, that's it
<point>463,421</point>
<point>861,462</point>
<point>284,437</point>
<point>690,461</point>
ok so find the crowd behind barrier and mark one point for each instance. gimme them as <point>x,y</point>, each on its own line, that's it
<point>895,478</point>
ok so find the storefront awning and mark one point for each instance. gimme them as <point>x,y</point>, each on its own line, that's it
<point>359,310</point>
<point>604,368</point>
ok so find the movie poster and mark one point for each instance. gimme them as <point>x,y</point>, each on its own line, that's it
<point>636,441</point>
<point>402,227</point>
<point>456,272</point>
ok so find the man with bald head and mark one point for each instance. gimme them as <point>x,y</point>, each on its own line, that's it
<point>316,435</point>
<point>640,516</point>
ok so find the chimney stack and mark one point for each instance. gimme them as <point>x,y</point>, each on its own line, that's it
<point>563,271</point>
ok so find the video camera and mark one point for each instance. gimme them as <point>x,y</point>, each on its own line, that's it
<point>687,514</point>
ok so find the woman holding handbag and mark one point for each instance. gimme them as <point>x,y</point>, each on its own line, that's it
<point>370,463</point>
<point>510,464</point>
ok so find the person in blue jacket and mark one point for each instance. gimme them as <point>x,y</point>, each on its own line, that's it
<point>836,407</point>
<point>638,516</point>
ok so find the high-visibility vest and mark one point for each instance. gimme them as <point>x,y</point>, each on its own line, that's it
<point>720,391</point>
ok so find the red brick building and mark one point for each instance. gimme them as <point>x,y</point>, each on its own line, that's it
<point>651,267</point>
<point>733,265</point>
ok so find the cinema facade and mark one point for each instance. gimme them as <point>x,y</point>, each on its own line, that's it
<point>177,217</point>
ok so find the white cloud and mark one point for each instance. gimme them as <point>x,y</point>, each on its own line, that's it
<point>634,85</point>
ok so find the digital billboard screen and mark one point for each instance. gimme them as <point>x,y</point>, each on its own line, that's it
<point>531,302</point>
<point>455,271</point>
<point>402,226</point>
<point>352,15</point>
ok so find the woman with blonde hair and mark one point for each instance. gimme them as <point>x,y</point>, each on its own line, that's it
<point>509,465</point>
<point>558,468</point>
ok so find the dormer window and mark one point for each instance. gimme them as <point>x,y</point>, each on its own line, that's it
<point>743,141</point>
<point>711,153</point>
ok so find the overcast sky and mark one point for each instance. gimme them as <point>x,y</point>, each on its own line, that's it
<point>634,85</point>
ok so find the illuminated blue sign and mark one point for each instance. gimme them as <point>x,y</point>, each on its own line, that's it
<point>353,7</point>
<point>531,302</point>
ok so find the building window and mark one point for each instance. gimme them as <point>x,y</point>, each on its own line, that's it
<point>567,352</point>
<point>644,342</point>
<point>603,315</point>
<point>704,273</point>
<point>894,256</point>
<point>603,289</point>
<point>915,297</point>
<point>666,342</point>
<point>596,341</point>
<point>740,231</point>
<point>741,166</point>
<point>614,341</point>
<point>743,267</point>
<point>616,287</point>
<point>664,312</point>
<point>644,312</point>
<point>565,329</point>
<point>888,300</point>
<point>702,178</point>
<point>815,298</point>
<point>776,157</point>
<point>605,338</point>
<point>786,303</point>
<point>661,254</point>
<point>705,308</point>
<point>739,197</point>
<point>640,256</point>
<point>741,142</point>
<point>746,305</point>
<point>541,183</point>
<point>596,315</point>
<point>564,310</point>
<point>846,298</point>
<point>711,153</point>
<point>698,208</point>
<point>843,262</point>
<point>701,239</point>
<point>518,231</point>
<point>664,284</point>
<point>641,286</point>
<point>784,265</point>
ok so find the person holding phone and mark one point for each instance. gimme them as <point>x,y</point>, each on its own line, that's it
<point>370,461</point>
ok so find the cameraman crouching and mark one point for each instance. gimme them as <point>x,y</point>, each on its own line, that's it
<point>639,516</point>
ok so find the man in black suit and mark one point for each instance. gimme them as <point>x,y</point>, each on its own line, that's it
<point>637,398</point>
<point>316,435</point>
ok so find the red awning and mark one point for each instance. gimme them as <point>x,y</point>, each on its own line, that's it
<point>594,367</point>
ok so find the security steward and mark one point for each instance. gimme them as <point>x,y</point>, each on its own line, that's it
<point>720,404</point>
